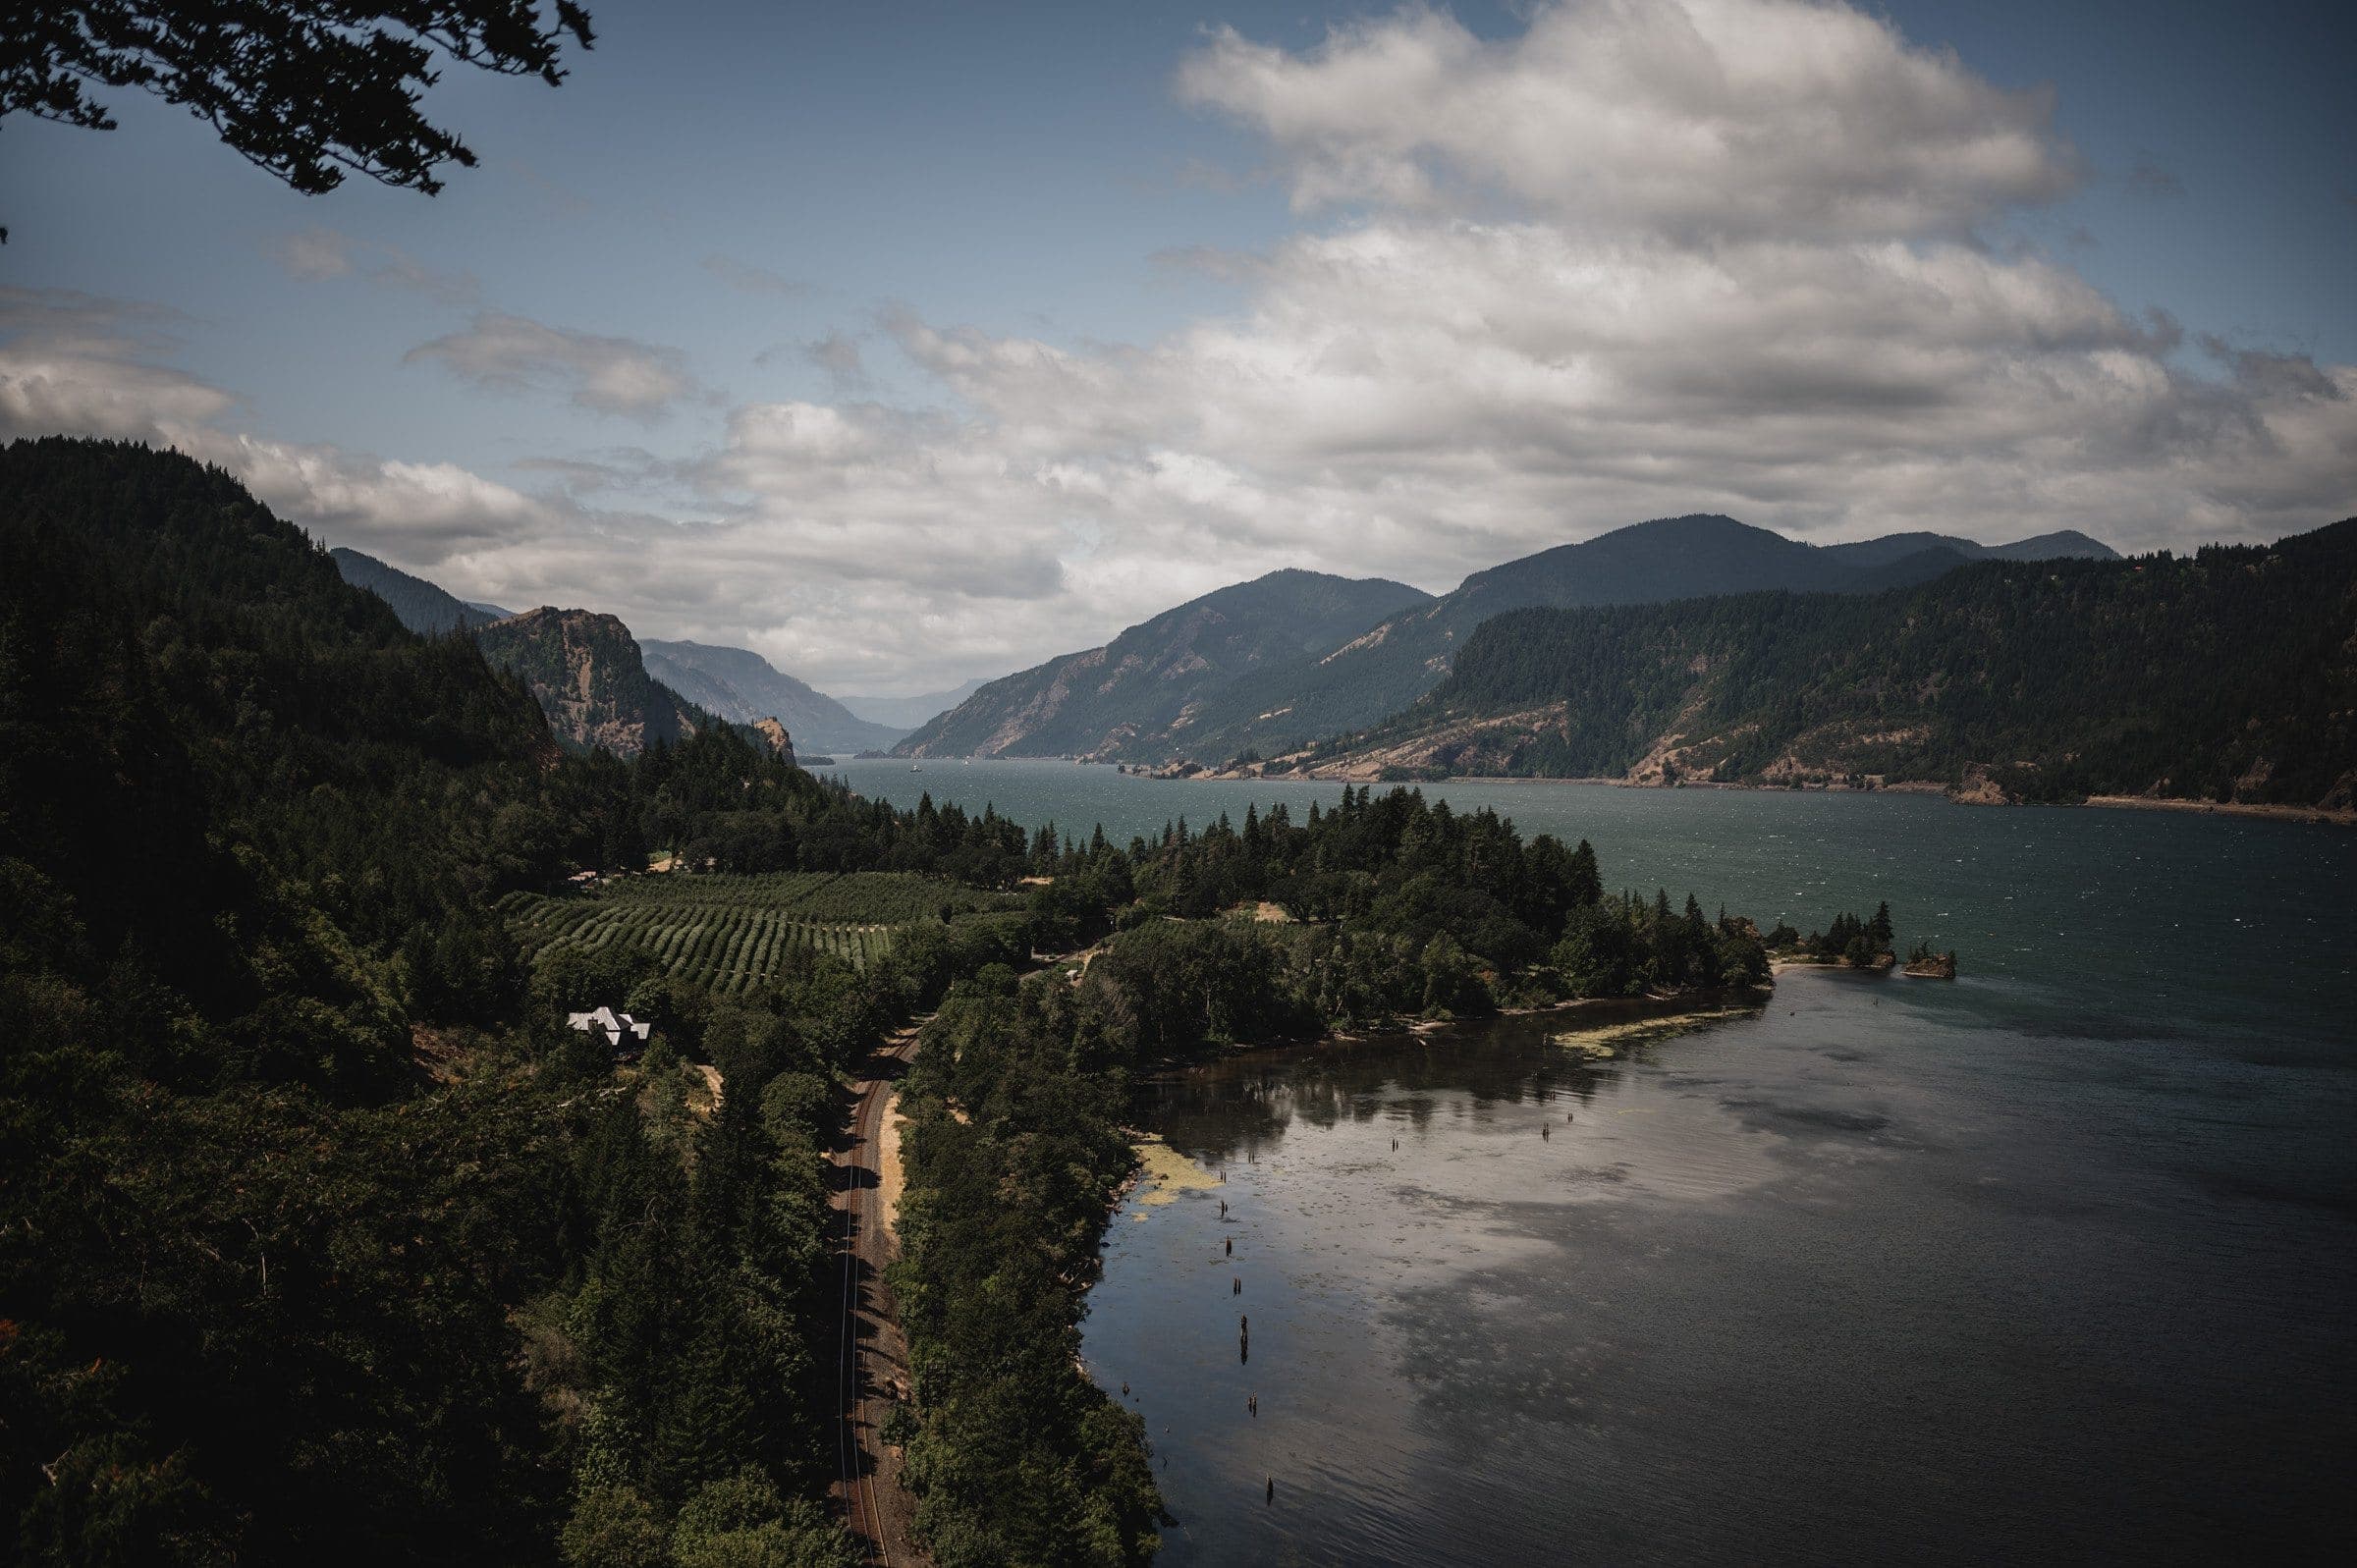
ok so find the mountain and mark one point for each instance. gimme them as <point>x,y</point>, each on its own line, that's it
<point>910,713</point>
<point>740,685</point>
<point>587,674</point>
<point>2228,676</point>
<point>1142,690</point>
<point>729,683</point>
<point>1387,665</point>
<point>423,607</point>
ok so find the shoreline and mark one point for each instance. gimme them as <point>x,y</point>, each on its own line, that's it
<point>2315,816</point>
<point>1162,1183</point>
<point>1620,1009</point>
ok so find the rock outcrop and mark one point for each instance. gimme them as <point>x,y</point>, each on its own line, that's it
<point>586,672</point>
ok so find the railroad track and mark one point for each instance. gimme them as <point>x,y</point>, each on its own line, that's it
<point>862,1246</point>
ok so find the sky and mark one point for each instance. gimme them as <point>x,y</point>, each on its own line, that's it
<point>909,344</point>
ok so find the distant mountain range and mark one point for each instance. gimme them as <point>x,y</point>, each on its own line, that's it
<point>600,686</point>
<point>1141,693</point>
<point>2226,676</point>
<point>910,713</point>
<point>1327,674</point>
<point>741,685</point>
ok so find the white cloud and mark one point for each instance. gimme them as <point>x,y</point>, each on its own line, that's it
<point>78,364</point>
<point>1695,117</point>
<point>319,255</point>
<point>510,353</point>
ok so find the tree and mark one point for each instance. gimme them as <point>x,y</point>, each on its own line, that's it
<point>303,88</point>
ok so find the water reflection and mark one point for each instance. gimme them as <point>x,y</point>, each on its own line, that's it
<point>1832,1278</point>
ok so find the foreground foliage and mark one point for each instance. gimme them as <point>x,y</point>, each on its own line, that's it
<point>319,1240</point>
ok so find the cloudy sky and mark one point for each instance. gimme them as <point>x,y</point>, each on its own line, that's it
<point>905,343</point>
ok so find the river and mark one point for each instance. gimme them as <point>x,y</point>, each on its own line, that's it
<point>2054,1261</point>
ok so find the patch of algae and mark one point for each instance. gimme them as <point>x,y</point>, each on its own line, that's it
<point>1165,1172</point>
<point>1606,1041</point>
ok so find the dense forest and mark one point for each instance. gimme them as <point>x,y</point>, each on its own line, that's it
<point>320,1235</point>
<point>2227,674</point>
<point>1386,906</point>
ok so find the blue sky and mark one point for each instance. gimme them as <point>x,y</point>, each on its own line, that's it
<point>907,344</point>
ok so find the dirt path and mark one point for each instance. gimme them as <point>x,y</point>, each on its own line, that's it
<point>871,1359</point>
<point>893,1180</point>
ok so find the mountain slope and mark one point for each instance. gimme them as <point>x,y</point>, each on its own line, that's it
<point>423,607</point>
<point>1390,664</point>
<point>2227,675</point>
<point>586,670</point>
<point>740,685</point>
<point>1141,690</point>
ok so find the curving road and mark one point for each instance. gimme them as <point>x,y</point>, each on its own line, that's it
<point>872,1358</point>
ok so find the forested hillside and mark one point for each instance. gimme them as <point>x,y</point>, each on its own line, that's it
<point>1145,687</point>
<point>1389,666</point>
<point>2231,674</point>
<point>324,1241</point>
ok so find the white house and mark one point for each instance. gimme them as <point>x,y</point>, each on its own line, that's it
<point>623,1033</point>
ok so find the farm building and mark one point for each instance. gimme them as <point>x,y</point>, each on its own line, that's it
<point>625,1034</point>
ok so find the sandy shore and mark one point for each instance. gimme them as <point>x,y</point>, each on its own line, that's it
<point>2230,808</point>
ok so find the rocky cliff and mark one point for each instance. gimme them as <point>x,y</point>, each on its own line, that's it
<point>587,674</point>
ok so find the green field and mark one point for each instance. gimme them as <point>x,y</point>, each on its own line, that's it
<point>736,934</point>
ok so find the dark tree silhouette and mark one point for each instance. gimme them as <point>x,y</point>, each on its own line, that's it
<point>305,88</point>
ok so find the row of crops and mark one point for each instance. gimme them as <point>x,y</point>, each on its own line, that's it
<point>737,933</point>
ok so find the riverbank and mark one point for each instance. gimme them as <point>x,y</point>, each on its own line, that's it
<point>1605,1012</point>
<point>2319,816</point>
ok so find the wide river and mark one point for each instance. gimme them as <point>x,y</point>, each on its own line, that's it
<point>2056,1263</point>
